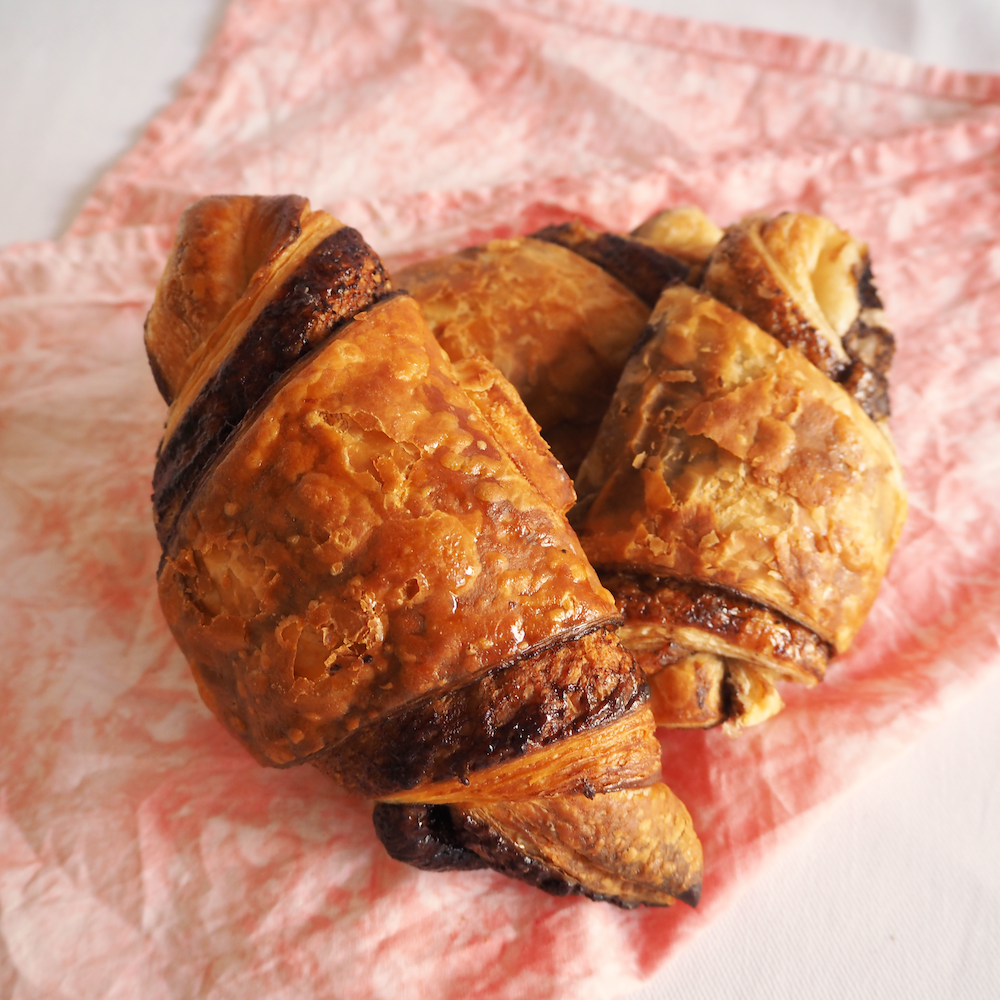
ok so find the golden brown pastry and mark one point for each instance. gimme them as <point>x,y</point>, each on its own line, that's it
<point>367,564</point>
<point>558,312</point>
<point>739,500</point>
<point>685,232</point>
<point>558,326</point>
<point>809,284</point>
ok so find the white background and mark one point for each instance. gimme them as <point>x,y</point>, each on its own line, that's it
<point>896,893</point>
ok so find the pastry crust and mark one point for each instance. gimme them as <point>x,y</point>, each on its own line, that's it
<point>298,581</point>
<point>545,699</point>
<point>808,283</point>
<point>322,285</point>
<point>556,325</point>
<point>629,847</point>
<point>634,847</point>
<point>643,266</point>
<point>226,250</point>
<point>752,697</point>
<point>660,613</point>
<point>367,563</point>
<point>685,232</point>
<point>687,692</point>
<point>728,459</point>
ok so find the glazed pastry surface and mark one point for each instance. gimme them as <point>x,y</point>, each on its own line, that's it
<point>367,563</point>
<point>299,577</point>
<point>728,459</point>
<point>556,325</point>
<point>742,498</point>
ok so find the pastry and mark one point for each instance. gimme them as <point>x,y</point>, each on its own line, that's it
<point>558,326</point>
<point>367,564</point>
<point>559,311</point>
<point>742,497</point>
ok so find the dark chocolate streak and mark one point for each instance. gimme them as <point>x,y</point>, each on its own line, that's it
<point>870,349</point>
<point>730,616</point>
<point>423,836</point>
<point>341,276</point>
<point>641,268</point>
<point>564,690</point>
<point>769,305</point>
<point>867,292</point>
<point>504,856</point>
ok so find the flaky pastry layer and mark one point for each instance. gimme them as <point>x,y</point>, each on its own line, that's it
<point>728,459</point>
<point>558,327</point>
<point>622,754</point>
<point>629,847</point>
<point>299,583</point>
<point>565,690</point>
<point>660,611</point>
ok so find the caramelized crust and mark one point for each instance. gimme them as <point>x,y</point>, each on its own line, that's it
<point>556,325</point>
<point>631,847</point>
<point>339,277</point>
<point>222,243</point>
<point>688,693</point>
<point>726,459</point>
<point>809,284</point>
<point>643,267</point>
<point>581,685</point>
<point>622,754</point>
<point>660,611</point>
<point>300,583</point>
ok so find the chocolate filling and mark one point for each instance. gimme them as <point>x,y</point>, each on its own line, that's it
<point>869,388</point>
<point>424,837</point>
<point>754,632</point>
<point>867,292</point>
<point>341,276</point>
<point>564,690</point>
<point>643,269</point>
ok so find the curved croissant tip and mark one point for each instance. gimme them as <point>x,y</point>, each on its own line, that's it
<point>691,896</point>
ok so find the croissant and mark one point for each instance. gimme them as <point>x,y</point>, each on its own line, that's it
<point>367,563</point>
<point>713,640</point>
<point>742,497</point>
<point>558,312</point>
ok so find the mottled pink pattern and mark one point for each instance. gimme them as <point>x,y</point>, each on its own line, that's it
<point>142,853</point>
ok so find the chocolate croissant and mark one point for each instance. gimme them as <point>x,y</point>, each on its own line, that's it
<point>367,564</point>
<point>713,643</point>
<point>558,312</point>
<point>742,497</point>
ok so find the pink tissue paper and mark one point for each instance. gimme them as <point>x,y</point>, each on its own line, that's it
<point>142,852</point>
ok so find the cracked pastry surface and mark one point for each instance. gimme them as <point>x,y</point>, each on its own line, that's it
<point>370,539</point>
<point>743,497</point>
<point>557,325</point>
<point>728,459</point>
